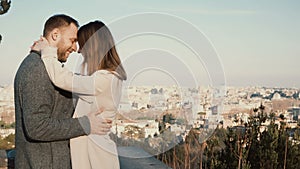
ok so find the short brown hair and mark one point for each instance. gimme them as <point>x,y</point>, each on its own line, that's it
<point>58,21</point>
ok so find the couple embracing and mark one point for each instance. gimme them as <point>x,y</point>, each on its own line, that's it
<point>52,132</point>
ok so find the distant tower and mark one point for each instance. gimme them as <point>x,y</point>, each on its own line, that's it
<point>276,96</point>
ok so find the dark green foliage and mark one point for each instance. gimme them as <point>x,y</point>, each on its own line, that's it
<point>258,144</point>
<point>4,6</point>
<point>7,142</point>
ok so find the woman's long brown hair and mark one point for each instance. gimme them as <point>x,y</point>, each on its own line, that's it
<point>98,49</point>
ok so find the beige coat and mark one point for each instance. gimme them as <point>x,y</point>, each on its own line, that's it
<point>102,89</point>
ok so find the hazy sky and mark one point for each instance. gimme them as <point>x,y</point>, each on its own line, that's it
<point>256,41</point>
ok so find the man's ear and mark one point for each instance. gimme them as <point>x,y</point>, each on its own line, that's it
<point>55,34</point>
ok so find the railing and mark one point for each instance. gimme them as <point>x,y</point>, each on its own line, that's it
<point>136,158</point>
<point>130,158</point>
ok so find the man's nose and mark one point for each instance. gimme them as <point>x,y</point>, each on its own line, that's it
<point>74,47</point>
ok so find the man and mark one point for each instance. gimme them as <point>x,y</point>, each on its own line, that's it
<point>44,123</point>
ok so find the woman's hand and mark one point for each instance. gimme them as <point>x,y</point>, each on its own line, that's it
<point>39,45</point>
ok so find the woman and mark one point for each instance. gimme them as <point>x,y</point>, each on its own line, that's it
<point>100,88</point>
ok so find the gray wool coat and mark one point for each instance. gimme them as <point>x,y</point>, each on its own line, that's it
<point>44,123</point>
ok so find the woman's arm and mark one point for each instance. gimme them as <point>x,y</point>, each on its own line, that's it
<point>64,78</point>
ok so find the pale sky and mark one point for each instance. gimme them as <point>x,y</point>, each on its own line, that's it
<point>256,41</point>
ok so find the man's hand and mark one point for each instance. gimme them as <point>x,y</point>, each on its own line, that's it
<point>99,125</point>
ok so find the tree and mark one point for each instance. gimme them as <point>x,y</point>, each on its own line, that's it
<point>282,145</point>
<point>269,144</point>
<point>7,142</point>
<point>294,152</point>
<point>251,145</point>
<point>228,154</point>
<point>133,131</point>
<point>4,6</point>
<point>215,144</point>
<point>255,148</point>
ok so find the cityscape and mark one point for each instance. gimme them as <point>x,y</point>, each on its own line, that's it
<point>254,122</point>
<point>159,118</point>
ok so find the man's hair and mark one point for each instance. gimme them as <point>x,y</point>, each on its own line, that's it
<point>58,21</point>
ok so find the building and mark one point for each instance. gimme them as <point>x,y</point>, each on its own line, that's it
<point>295,113</point>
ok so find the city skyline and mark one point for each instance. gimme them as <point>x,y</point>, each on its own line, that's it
<point>255,41</point>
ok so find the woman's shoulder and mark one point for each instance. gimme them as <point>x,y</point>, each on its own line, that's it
<point>106,73</point>
<point>103,72</point>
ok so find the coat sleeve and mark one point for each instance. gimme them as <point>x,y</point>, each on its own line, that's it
<point>64,78</point>
<point>38,100</point>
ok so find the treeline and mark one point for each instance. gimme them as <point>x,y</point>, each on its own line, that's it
<point>7,142</point>
<point>251,145</point>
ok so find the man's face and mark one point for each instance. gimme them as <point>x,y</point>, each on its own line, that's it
<point>67,43</point>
